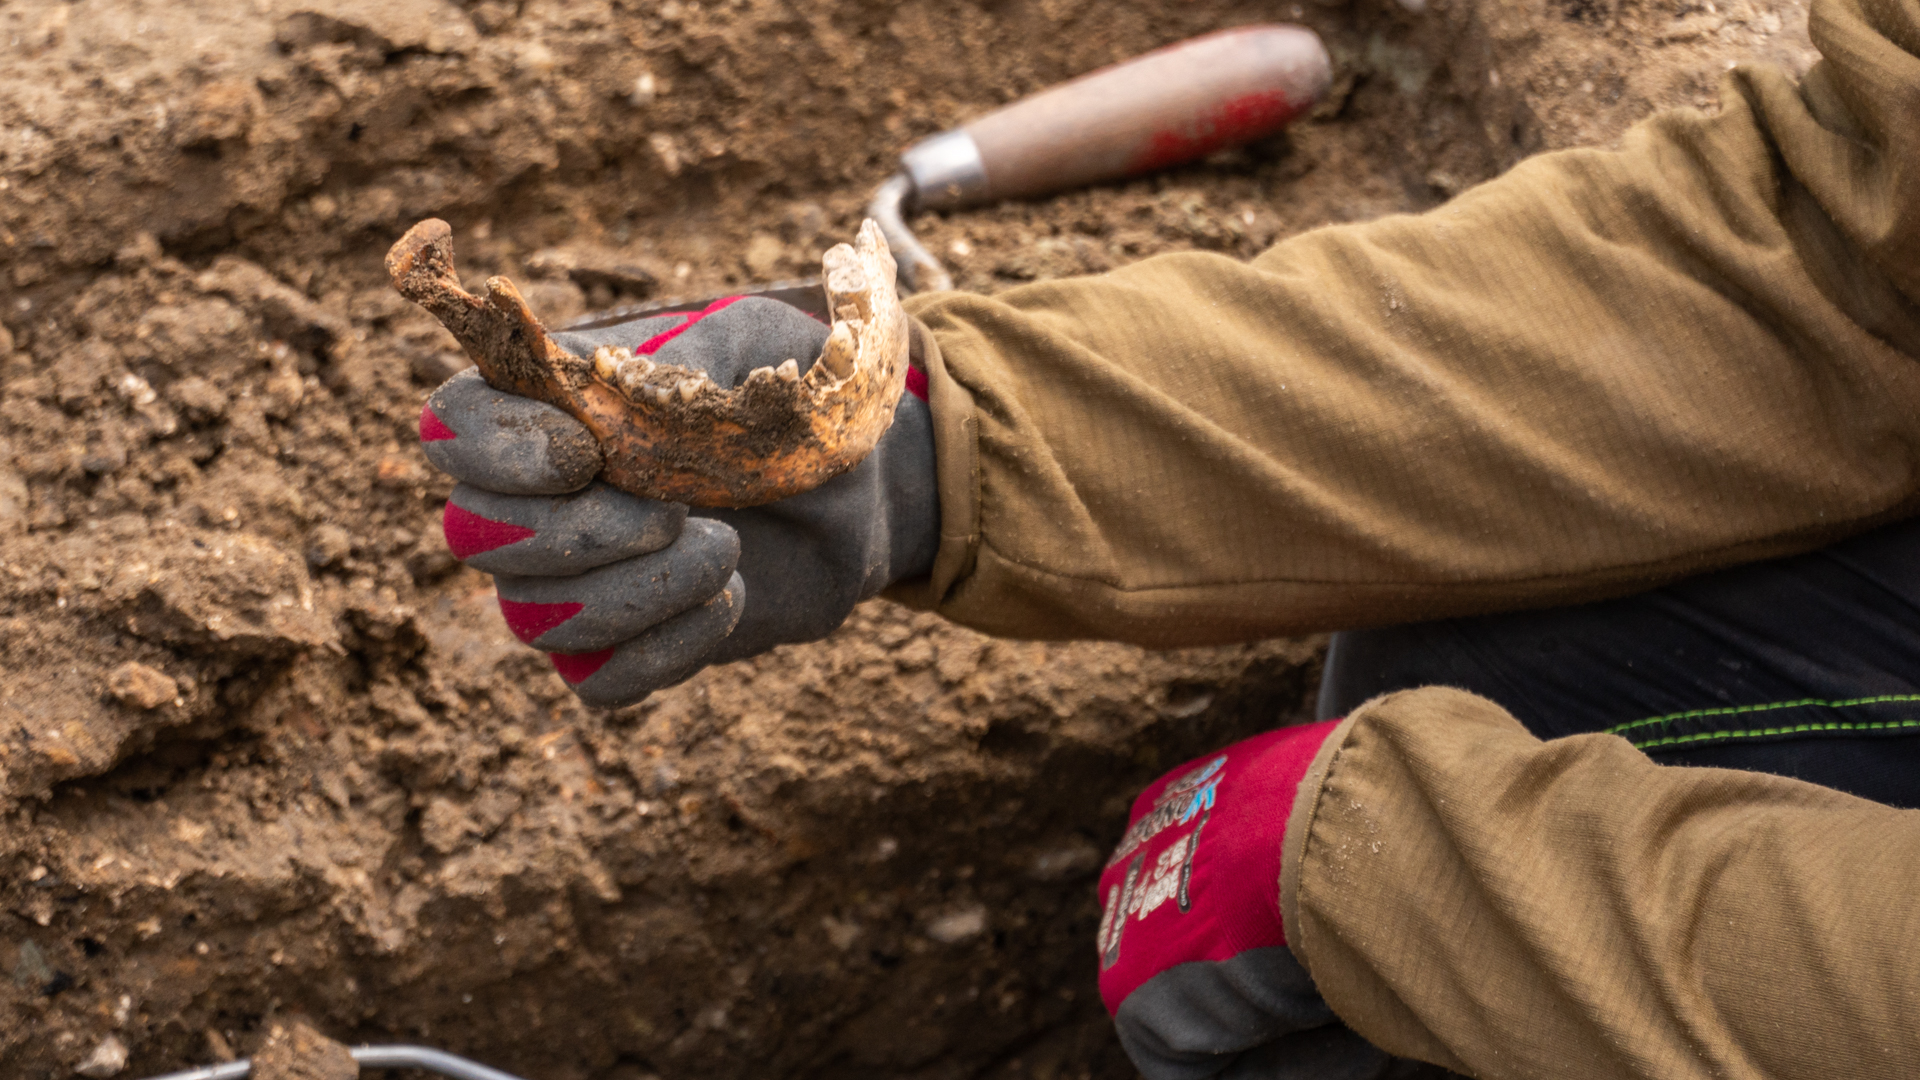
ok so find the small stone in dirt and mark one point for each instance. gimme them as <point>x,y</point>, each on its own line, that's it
<point>645,89</point>
<point>840,934</point>
<point>430,562</point>
<point>804,222</point>
<point>140,686</point>
<point>107,1059</point>
<point>764,252</point>
<point>218,112</point>
<point>328,545</point>
<point>297,1052</point>
<point>13,501</point>
<point>1074,859</point>
<point>30,968</point>
<point>446,826</point>
<point>217,1046</point>
<point>957,926</point>
<point>199,399</point>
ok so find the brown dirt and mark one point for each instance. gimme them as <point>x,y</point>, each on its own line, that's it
<point>298,1052</point>
<point>265,750</point>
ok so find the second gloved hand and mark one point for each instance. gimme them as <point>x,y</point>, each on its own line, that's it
<point>630,594</point>
<point>1194,963</point>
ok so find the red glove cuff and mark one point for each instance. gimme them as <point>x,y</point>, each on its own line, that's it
<point>1197,875</point>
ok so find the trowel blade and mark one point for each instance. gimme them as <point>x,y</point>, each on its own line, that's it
<point>807,295</point>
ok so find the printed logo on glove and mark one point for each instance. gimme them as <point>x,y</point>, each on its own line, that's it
<point>1193,959</point>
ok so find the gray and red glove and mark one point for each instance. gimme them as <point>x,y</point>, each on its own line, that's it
<point>1194,964</point>
<point>630,594</point>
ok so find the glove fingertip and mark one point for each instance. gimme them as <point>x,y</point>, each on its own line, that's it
<point>716,540</point>
<point>505,443</point>
<point>469,533</point>
<point>432,428</point>
<point>670,653</point>
<point>577,668</point>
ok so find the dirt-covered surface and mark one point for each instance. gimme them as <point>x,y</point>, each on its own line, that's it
<point>268,754</point>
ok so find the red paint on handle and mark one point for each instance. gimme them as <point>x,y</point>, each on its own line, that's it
<point>1230,123</point>
<point>1172,105</point>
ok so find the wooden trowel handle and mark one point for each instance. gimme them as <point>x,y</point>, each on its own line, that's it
<point>1170,106</point>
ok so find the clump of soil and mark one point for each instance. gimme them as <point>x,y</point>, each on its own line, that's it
<point>266,750</point>
<point>298,1052</point>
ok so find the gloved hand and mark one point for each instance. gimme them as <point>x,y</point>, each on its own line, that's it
<point>630,594</point>
<point>1194,964</point>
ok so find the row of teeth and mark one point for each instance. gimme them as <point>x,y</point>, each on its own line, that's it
<point>622,370</point>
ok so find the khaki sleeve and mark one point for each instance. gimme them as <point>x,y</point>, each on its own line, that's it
<point>1464,893</point>
<point>1598,372</point>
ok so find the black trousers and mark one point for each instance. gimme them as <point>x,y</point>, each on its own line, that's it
<point>1806,667</point>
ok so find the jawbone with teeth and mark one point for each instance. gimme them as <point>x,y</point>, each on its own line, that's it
<point>669,432</point>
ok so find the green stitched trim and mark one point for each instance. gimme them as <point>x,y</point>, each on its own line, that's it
<point>1731,710</point>
<point>1797,729</point>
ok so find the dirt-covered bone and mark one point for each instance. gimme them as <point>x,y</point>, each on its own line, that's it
<point>669,432</point>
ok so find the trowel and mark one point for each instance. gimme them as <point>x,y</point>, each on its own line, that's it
<point>1168,107</point>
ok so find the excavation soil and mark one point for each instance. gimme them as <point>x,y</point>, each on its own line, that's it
<point>267,752</point>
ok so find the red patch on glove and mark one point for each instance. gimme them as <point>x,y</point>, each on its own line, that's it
<point>468,534</point>
<point>577,668</point>
<point>917,382</point>
<point>1197,875</point>
<point>528,620</point>
<point>432,428</point>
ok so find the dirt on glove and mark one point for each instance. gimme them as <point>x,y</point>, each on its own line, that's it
<point>266,749</point>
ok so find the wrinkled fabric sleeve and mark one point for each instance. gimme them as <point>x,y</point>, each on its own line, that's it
<point>1465,894</point>
<point>1600,371</point>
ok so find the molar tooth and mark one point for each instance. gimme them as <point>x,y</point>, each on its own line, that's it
<point>689,387</point>
<point>634,371</point>
<point>606,363</point>
<point>662,395</point>
<point>759,372</point>
<point>846,280</point>
<point>788,370</point>
<point>839,350</point>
